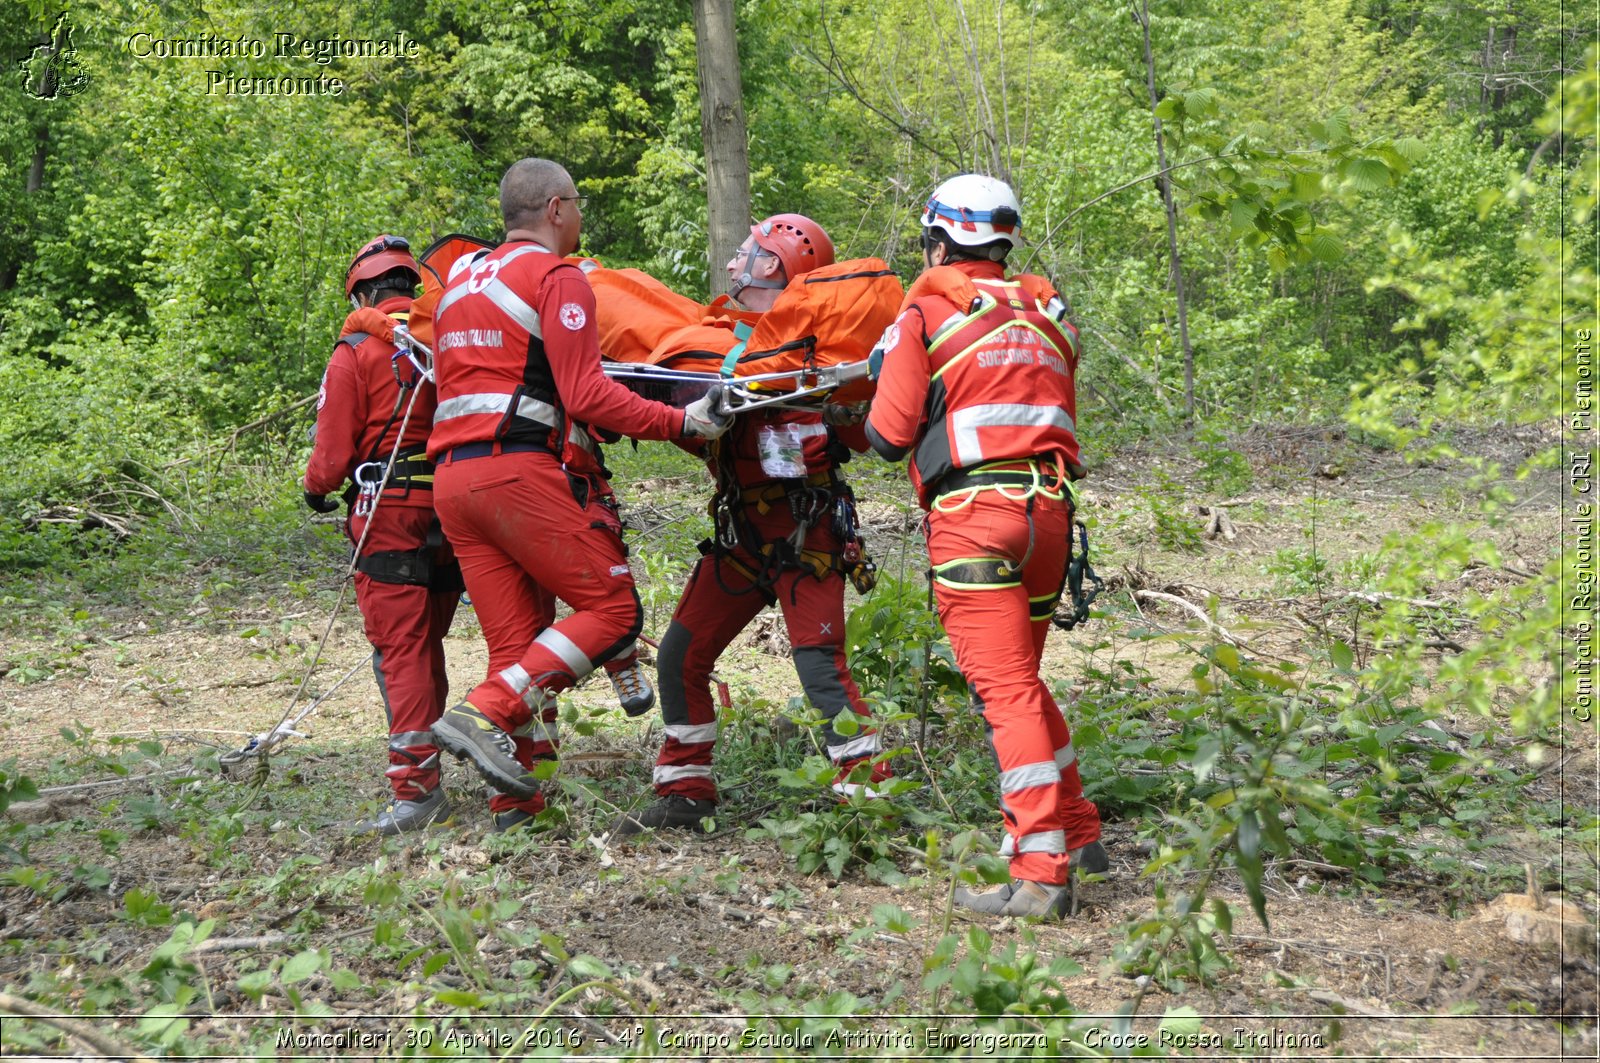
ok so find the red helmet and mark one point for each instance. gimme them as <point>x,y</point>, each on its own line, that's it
<point>799,243</point>
<point>380,255</point>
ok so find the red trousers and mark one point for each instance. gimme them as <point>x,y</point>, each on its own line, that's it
<point>998,633</point>
<point>522,534</point>
<point>719,601</point>
<point>406,624</point>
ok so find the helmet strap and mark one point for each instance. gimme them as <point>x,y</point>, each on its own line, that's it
<point>746,278</point>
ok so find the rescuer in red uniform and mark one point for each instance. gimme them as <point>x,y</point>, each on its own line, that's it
<point>784,519</point>
<point>520,486</point>
<point>977,385</point>
<point>407,583</point>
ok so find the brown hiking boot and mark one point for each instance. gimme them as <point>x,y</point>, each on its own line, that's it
<point>671,811</point>
<point>467,733</point>
<point>1017,897</point>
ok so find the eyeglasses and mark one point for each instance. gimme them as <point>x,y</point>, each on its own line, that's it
<point>582,201</point>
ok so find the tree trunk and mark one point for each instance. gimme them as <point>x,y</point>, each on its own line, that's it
<point>722,130</point>
<point>1143,17</point>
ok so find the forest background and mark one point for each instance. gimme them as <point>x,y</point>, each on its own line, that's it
<point>1378,214</point>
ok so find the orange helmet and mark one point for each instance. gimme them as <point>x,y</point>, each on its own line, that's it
<point>380,255</point>
<point>799,243</point>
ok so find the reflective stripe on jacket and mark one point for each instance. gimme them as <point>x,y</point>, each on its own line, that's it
<point>494,378</point>
<point>1001,384</point>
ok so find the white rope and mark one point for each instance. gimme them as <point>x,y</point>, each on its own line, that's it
<point>264,743</point>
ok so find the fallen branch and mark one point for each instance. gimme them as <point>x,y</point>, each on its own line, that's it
<point>1219,524</point>
<point>1375,598</point>
<point>124,781</point>
<point>1172,599</point>
<point>268,419</point>
<point>1354,1007</point>
<point>84,518</point>
<point>728,911</point>
<point>101,1043</point>
<point>264,941</point>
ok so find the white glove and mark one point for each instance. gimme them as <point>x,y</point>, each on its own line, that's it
<point>708,416</point>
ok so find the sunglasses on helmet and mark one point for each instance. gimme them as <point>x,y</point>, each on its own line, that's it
<point>380,245</point>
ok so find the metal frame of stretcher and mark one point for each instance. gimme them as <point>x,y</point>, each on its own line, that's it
<point>809,383</point>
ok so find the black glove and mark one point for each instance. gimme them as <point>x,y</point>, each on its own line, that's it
<point>320,503</point>
<point>843,416</point>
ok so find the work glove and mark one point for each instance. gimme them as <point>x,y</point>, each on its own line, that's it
<point>708,416</point>
<point>320,503</point>
<point>875,363</point>
<point>843,416</point>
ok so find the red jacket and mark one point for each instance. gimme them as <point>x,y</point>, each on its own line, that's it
<point>521,321</point>
<point>967,383</point>
<point>360,408</point>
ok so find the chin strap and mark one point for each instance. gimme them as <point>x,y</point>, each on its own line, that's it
<point>746,277</point>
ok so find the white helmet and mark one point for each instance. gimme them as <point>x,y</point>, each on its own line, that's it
<point>974,210</point>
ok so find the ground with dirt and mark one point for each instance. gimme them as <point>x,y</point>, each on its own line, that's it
<point>703,926</point>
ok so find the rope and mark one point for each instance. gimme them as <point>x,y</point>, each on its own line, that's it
<point>264,743</point>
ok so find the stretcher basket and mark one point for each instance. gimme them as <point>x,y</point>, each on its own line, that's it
<point>787,389</point>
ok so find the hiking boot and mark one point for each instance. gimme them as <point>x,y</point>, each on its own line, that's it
<point>633,689</point>
<point>511,819</point>
<point>1017,897</point>
<point>467,733</point>
<point>404,814</point>
<point>672,810</point>
<point>1089,859</point>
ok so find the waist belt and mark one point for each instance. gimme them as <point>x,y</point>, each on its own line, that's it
<point>415,468</point>
<point>764,495</point>
<point>468,451</point>
<point>412,472</point>
<point>981,477</point>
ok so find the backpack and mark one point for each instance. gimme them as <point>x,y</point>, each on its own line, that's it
<point>436,262</point>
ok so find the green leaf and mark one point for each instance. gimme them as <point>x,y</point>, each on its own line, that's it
<point>1205,757</point>
<point>1223,915</point>
<point>588,967</point>
<point>1170,109</point>
<point>1327,248</point>
<point>1181,1022</point>
<point>1343,657</point>
<point>459,998</point>
<point>1366,174</point>
<point>255,983</point>
<point>301,967</point>
<point>1249,835</point>
<point>436,963</point>
<point>1242,215</point>
<point>1200,102</point>
<point>1411,149</point>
